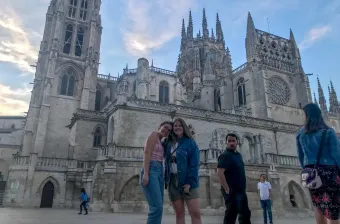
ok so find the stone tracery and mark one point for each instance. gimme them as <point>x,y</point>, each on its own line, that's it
<point>279,91</point>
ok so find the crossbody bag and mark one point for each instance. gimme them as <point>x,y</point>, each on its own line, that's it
<point>310,177</point>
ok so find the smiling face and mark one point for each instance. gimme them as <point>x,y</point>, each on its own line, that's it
<point>178,129</point>
<point>165,129</point>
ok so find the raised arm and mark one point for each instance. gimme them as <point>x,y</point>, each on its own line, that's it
<point>334,146</point>
<point>148,148</point>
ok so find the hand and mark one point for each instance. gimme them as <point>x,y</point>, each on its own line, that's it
<point>186,188</point>
<point>145,179</point>
<point>227,190</point>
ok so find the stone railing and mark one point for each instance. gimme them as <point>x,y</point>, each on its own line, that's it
<point>213,116</point>
<point>107,77</point>
<point>162,71</point>
<point>45,162</point>
<point>240,68</point>
<point>120,153</point>
<point>210,155</point>
<point>21,161</point>
<point>283,160</point>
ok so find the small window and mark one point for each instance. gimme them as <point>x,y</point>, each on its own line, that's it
<point>68,83</point>
<point>97,137</point>
<point>79,41</point>
<point>98,100</point>
<point>68,39</point>
<point>241,92</point>
<point>164,92</point>
<point>72,9</point>
<point>83,10</point>
<point>217,100</point>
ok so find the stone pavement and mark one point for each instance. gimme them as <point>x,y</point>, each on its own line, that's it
<point>59,216</point>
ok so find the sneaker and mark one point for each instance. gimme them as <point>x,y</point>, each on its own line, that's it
<point>80,213</point>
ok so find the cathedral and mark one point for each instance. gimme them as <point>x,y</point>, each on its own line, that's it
<point>87,130</point>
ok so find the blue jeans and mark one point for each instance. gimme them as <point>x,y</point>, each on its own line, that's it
<point>266,206</point>
<point>154,192</point>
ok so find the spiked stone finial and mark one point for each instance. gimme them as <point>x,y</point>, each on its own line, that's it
<point>205,26</point>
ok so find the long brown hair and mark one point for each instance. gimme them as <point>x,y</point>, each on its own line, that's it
<point>186,130</point>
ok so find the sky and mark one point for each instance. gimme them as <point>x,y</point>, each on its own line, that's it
<point>152,28</point>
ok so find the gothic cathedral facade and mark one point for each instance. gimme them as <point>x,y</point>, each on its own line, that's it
<point>87,130</point>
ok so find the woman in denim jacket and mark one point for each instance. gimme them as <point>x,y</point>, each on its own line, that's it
<point>326,199</point>
<point>181,172</point>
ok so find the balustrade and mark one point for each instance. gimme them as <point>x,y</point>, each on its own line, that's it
<point>284,160</point>
<point>21,161</point>
<point>118,152</point>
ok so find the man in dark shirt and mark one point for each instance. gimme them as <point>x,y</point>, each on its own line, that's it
<point>232,176</point>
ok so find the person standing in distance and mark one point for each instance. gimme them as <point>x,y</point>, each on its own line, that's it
<point>264,189</point>
<point>232,176</point>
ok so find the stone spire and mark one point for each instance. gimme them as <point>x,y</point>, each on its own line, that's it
<point>228,62</point>
<point>219,32</point>
<point>251,39</point>
<point>212,34</point>
<point>333,99</point>
<point>205,26</point>
<point>184,35</point>
<point>296,52</point>
<point>322,99</point>
<point>315,100</point>
<point>190,29</point>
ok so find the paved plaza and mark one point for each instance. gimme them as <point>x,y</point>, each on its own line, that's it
<point>64,216</point>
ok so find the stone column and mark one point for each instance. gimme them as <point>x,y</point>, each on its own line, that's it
<point>28,200</point>
<point>274,179</point>
<point>262,158</point>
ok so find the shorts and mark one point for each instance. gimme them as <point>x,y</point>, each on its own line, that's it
<point>177,193</point>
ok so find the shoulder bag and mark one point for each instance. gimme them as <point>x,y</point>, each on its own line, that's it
<point>309,176</point>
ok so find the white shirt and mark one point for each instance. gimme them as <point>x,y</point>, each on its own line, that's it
<point>264,190</point>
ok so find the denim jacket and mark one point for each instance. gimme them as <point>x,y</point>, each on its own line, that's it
<point>308,146</point>
<point>188,160</point>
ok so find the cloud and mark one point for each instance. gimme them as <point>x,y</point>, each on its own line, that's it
<point>15,46</point>
<point>152,24</point>
<point>14,101</point>
<point>314,35</point>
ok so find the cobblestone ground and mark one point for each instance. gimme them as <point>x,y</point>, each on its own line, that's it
<point>56,216</point>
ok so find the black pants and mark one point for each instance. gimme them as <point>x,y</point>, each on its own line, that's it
<point>83,204</point>
<point>236,204</point>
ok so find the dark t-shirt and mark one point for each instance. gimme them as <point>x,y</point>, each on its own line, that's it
<point>234,173</point>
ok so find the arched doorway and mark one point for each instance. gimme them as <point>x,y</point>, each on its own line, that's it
<point>47,195</point>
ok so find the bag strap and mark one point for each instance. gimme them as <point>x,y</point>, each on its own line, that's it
<point>324,132</point>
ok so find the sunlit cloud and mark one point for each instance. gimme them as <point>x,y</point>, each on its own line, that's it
<point>15,46</point>
<point>153,24</point>
<point>314,35</point>
<point>14,101</point>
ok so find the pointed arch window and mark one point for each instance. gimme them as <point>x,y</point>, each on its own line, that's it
<point>217,96</point>
<point>68,39</point>
<point>241,92</point>
<point>163,92</point>
<point>79,41</point>
<point>72,9</point>
<point>68,83</point>
<point>83,10</point>
<point>98,100</point>
<point>97,137</point>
